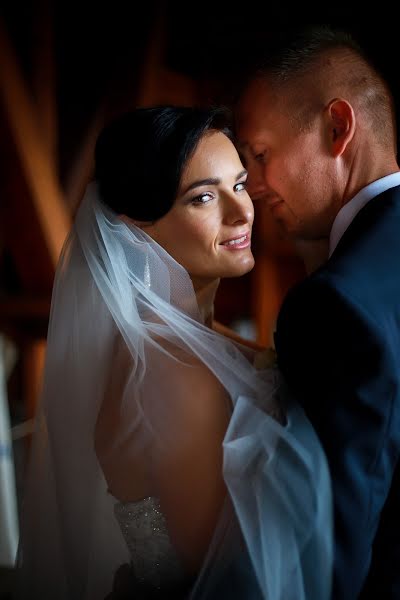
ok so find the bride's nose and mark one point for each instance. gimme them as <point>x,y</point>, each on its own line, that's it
<point>238,209</point>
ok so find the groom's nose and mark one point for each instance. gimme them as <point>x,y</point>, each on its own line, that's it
<point>256,185</point>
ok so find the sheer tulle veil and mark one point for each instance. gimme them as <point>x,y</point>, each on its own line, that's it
<point>116,285</point>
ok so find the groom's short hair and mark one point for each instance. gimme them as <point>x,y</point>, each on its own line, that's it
<point>316,61</point>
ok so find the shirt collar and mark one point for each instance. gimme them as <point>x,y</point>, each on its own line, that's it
<point>347,213</point>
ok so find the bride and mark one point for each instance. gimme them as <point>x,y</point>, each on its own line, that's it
<point>168,461</point>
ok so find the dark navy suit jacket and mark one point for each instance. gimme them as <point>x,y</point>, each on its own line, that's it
<point>338,347</point>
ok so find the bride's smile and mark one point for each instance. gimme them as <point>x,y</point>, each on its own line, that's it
<point>238,243</point>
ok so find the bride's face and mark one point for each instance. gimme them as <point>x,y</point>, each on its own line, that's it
<point>208,229</point>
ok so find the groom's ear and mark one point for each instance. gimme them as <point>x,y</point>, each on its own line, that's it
<point>341,123</point>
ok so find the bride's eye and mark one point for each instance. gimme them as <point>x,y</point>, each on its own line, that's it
<point>241,186</point>
<point>202,198</point>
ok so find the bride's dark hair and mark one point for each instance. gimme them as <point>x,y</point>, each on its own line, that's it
<point>139,157</point>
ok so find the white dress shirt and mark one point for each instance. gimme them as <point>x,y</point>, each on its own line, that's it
<point>347,213</point>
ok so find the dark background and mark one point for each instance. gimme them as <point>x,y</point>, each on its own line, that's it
<point>99,48</point>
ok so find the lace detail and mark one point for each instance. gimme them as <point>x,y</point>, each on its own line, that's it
<point>154,560</point>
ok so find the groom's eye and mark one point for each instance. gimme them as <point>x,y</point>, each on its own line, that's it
<point>259,157</point>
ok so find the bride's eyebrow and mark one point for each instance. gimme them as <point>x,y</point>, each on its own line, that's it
<point>242,174</point>
<point>211,181</point>
<point>201,182</point>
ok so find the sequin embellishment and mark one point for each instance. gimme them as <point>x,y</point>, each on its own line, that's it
<point>144,528</point>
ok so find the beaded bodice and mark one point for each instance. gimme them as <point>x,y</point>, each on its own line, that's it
<point>153,558</point>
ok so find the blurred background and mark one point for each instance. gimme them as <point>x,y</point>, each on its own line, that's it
<point>66,68</point>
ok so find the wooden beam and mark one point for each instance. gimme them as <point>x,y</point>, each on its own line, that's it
<point>33,269</point>
<point>266,298</point>
<point>277,268</point>
<point>44,76</point>
<point>33,359</point>
<point>46,193</point>
<point>24,307</point>
<point>82,169</point>
<point>158,85</point>
<point>173,88</point>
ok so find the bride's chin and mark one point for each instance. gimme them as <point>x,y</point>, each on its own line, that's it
<point>247,263</point>
<point>241,267</point>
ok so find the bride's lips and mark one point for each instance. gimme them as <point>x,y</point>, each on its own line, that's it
<point>239,242</point>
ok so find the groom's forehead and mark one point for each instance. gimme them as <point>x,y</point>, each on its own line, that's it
<point>251,135</point>
<point>255,121</point>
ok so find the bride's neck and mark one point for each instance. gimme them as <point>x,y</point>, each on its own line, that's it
<point>205,294</point>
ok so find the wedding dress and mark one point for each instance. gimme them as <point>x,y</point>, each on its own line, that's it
<point>273,538</point>
<point>154,566</point>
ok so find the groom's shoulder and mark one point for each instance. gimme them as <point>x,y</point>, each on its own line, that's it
<point>336,280</point>
<point>369,249</point>
<point>374,230</point>
<point>358,277</point>
<point>365,262</point>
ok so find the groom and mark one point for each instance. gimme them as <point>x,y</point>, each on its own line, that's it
<point>317,131</point>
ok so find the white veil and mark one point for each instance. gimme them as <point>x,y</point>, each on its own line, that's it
<point>113,284</point>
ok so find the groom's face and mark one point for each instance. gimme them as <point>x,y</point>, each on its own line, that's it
<point>288,161</point>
